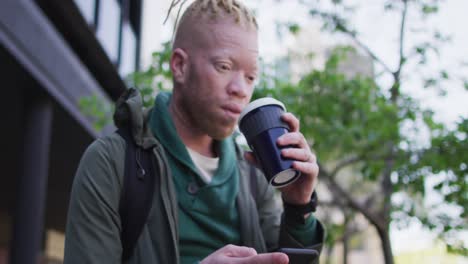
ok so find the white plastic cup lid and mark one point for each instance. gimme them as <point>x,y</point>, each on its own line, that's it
<point>285,178</point>
<point>258,103</point>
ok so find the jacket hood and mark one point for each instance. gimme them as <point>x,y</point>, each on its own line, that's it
<point>130,115</point>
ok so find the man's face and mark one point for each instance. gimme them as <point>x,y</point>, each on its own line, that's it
<point>220,79</point>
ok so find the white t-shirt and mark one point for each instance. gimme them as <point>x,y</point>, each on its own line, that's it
<point>207,166</point>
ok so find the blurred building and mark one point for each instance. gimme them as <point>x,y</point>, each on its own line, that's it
<point>53,52</point>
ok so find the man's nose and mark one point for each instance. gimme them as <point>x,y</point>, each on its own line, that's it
<point>238,85</point>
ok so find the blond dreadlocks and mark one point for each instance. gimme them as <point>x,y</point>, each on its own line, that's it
<point>214,9</point>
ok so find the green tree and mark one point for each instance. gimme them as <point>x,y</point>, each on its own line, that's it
<point>365,131</point>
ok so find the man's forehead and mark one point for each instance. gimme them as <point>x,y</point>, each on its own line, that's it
<point>227,33</point>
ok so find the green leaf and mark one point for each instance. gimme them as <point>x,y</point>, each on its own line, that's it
<point>430,82</point>
<point>389,6</point>
<point>294,28</point>
<point>444,75</point>
<point>428,9</point>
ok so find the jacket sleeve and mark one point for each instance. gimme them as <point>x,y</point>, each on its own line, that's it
<point>93,222</point>
<point>297,235</point>
<point>276,230</point>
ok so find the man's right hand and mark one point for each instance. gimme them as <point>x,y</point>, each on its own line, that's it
<point>231,254</point>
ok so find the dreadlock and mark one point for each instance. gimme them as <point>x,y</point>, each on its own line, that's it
<point>214,9</point>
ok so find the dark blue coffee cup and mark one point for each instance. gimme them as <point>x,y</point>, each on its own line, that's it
<point>261,124</point>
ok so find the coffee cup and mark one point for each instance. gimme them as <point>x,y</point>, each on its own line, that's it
<point>261,124</point>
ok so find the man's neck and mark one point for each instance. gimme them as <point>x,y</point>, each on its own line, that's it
<point>191,136</point>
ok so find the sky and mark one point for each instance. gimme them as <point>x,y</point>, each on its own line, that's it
<point>450,20</point>
<point>379,31</point>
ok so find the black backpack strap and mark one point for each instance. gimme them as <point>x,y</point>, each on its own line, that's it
<point>137,192</point>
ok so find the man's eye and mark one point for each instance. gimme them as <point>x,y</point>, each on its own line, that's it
<point>224,67</point>
<point>251,78</point>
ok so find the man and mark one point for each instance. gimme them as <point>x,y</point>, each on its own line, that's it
<point>203,209</point>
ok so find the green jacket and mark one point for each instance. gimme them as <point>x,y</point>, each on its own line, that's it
<point>93,224</point>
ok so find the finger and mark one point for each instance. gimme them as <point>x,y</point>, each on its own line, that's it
<point>292,138</point>
<point>238,251</point>
<point>306,167</point>
<point>299,154</point>
<point>265,258</point>
<point>292,121</point>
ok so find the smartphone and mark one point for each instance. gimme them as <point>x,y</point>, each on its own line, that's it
<point>300,255</point>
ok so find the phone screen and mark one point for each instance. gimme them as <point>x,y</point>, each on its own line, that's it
<point>300,255</point>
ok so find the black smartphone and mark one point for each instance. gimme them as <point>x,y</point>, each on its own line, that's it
<point>300,255</point>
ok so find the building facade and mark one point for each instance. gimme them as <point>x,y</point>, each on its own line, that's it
<point>52,53</point>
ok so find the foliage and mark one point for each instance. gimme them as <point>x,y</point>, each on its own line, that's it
<point>351,119</point>
<point>156,78</point>
<point>97,110</point>
<point>377,132</point>
<point>445,161</point>
<point>340,115</point>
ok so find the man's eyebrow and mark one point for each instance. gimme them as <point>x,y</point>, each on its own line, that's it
<point>225,55</point>
<point>234,59</point>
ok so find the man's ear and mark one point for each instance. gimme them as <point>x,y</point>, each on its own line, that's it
<point>179,65</point>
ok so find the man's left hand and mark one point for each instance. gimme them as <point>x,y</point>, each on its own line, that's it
<point>295,147</point>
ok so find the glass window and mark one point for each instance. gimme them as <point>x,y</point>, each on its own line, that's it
<point>129,46</point>
<point>108,27</point>
<point>87,8</point>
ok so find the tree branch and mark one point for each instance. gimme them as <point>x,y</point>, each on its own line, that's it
<point>371,198</point>
<point>330,203</point>
<point>387,186</point>
<point>353,203</point>
<point>402,36</point>
<point>352,160</point>
<point>343,28</point>
<point>395,90</point>
<point>369,52</point>
<point>350,232</point>
<point>344,163</point>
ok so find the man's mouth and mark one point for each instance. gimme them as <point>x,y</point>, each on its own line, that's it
<point>232,110</point>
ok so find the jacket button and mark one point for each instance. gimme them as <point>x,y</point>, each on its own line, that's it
<point>192,188</point>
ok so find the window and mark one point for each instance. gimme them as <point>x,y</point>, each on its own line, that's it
<point>108,27</point>
<point>128,51</point>
<point>87,8</point>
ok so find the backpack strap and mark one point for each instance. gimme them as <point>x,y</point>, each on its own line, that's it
<point>137,192</point>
